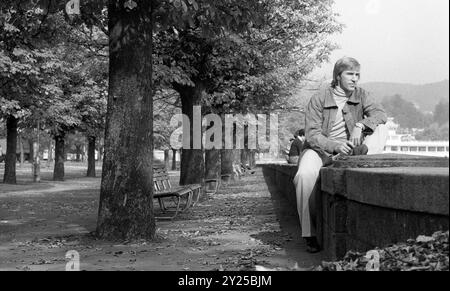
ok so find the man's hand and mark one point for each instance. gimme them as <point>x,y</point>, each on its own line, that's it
<point>356,136</point>
<point>344,148</point>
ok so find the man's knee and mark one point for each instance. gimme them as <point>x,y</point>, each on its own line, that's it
<point>309,167</point>
<point>306,174</point>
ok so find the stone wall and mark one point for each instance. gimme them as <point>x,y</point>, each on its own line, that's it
<point>373,201</point>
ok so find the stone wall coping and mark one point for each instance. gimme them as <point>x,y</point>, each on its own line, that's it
<point>421,189</point>
<point>367,201</point>
<point>389,160</point>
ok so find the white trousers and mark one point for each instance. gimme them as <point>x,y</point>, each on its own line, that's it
<point>308,172</point>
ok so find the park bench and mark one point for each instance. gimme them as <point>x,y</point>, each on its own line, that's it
<point>163,190</point>
<point>212,185</point>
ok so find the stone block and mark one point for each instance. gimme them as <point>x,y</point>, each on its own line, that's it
<point>335,246</point>
<point>412,189</point>
<point>334,212</point>
<point>390,161</point>
<point>333,180</point>
<point>338,214</point>
<point>361,207</point>
<point>371,226</point>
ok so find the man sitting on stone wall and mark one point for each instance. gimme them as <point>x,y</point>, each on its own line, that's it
<point>340,120</point>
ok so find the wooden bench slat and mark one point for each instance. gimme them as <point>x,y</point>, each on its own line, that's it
<point>176,192</point>
<point>194,186</point>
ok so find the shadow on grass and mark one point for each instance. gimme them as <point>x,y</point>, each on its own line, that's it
<point>59,213</point>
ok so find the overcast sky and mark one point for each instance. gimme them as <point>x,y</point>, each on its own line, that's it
<point>405,41</point>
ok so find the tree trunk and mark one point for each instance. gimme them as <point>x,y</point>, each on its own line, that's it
<point>36,163</point>
<point>91,157</point>
<point>126,194</point>
<point>212,164</point>
<point>245,157</point>
<point>212,168</point>
<point>166,159</point>
<point>212,160</point>
<point>77,153</point>
<point>50,153</point>
<point>174,160</point>
<point>22,155</point>
<point>226,168</point>
<point>9,177</point>
<point>192,160</point>
<point>228,158</point>
<point>31,153</point>
<point>84,153</point>
<point>58,171</point>
<point>245,152</point>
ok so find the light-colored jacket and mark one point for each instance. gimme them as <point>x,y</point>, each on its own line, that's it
<point>321,115</point>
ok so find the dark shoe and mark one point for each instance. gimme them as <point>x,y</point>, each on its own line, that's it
<point>312,246</point>
<point>360,150</point>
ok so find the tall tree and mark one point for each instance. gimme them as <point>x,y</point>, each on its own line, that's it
<point>58,170</point>
<point>10,159</point>
<point>440,114</point>
<point>166,104</point>
<point>88,35</point>
<point>404,112</point>
<point>29,65</point>
<point>126,206</point>
<point>191,49</point>
<point>435,132</point>
<point>266,53</point>
<point>92,107</point>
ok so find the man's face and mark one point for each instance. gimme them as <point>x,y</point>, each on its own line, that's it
<point>349,79</point>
